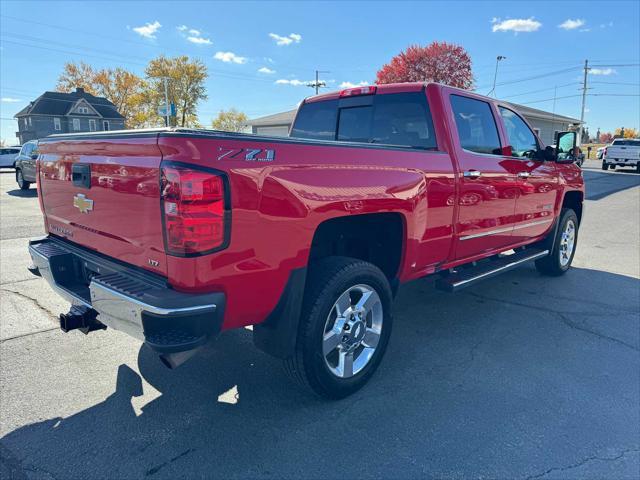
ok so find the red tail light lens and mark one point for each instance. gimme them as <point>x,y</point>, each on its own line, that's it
<point>194,205</point>
<point>353,92</point>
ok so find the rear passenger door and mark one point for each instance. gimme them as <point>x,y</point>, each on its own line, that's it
<point>488,187</point>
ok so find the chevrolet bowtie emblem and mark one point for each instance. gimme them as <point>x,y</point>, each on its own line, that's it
<point>82,203</point>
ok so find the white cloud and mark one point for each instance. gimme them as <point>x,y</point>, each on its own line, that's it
<point>602,71</point>
<point>266,70</point>
<point>288,40</point>
<point>199,40</point>
<point>515,25</point>
<point>229,57</point>
<point>148,30</point>
<point>193,35</point>
<point>294,82</point>
<point>606,25</point>
<point>10,100</point>
<point>570,24</point>
<point>351,85</point>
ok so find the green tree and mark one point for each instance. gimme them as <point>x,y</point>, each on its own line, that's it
<point>185,86</point>
<point>230,121</point>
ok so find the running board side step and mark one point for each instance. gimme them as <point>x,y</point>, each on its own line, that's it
<point>469,276</point>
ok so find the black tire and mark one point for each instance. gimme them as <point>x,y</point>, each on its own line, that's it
<point>328,279</point>
<point>551,264</point>
<point>605,166</point>
<point>22,183</point>
<point>638,167</point>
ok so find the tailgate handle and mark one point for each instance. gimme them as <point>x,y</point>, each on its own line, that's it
<point>81,175</point>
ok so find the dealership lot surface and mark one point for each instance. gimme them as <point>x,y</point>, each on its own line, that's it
<point>520,377</point>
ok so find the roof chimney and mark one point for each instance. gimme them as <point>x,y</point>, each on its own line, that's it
<point>80,90</point>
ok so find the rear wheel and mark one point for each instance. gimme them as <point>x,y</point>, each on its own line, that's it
<point>344,328</point>
<point>564,246</point>
<point>22,183</point>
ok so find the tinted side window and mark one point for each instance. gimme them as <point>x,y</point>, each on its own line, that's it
<point>403,119</point>
<point>26,149</point>
<point>522,140</point>
<point>316,121</point>
<point>477,130</point>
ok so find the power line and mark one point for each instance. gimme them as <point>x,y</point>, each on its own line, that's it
<point>541,90</point>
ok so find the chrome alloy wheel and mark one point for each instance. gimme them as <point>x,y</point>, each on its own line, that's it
<point>352,331</point>
<point>567,243</point>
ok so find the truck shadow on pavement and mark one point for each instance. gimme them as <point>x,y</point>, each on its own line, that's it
<point>31,193</point>
<point>602,184</point>
<point>508,379</point>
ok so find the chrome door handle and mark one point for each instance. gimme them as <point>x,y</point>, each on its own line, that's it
<point>524,174</point>
<point>472,174</point>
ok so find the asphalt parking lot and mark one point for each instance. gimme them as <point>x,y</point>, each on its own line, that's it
<point>520,377</point>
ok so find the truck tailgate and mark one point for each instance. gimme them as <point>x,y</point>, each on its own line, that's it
<point>103,193</point>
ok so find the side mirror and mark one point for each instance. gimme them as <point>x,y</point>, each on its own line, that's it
<point>34,156</point>
<point>566,147</point>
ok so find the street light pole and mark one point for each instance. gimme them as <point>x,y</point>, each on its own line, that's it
<point>495,75</point>
<point>166,101</point>
<point>318,83</point>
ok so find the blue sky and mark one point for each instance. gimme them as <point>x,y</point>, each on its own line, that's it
<point>260,55</point>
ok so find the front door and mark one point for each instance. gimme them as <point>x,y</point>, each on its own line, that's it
<point>488,189</point>
<point>537,180</point>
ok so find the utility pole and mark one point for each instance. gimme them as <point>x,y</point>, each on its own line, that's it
<point>318,83</point>
<point>495,75</point>
<point>584,100</point>
<point>166,101</point>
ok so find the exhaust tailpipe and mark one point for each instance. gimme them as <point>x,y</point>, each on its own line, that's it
<point>174,360</point>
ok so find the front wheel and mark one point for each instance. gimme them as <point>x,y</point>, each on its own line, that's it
<point>22,183</point>
<point>605,166</point>
<point>564,246</point>
<point>344,327</point>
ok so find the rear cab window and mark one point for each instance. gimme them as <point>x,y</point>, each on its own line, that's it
<point>397,119</point>
<point>477,129</point>
<point>627,143</point>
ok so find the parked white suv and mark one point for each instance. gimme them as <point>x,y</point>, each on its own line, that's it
<point>623,152</point>
<point>8,156</point>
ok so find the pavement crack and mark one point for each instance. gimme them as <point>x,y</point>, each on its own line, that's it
<point>582,462</point>
<point>567,321</point>
<point>157,468</point>
<point>32,300</point>
<point>563,317</point>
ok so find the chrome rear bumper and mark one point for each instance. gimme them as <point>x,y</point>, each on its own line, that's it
<point>127,299</point>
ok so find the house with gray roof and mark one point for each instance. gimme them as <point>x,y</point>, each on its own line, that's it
<point>58,112</point>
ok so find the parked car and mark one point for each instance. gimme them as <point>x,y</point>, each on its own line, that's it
<point>306,238</point>
<point>8,156</point>
<point>623,152</point>
<point>25,165</point>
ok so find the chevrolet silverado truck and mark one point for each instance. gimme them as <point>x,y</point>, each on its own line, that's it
<point>174,235</point>
<point>623,152</point>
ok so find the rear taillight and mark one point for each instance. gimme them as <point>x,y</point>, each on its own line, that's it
<point>195,209</point>
<point>353,92</point>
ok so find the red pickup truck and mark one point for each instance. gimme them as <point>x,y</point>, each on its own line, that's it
<point>173,235</point>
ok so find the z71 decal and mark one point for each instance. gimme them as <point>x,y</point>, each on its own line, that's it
<point>248,154</point>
